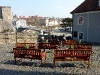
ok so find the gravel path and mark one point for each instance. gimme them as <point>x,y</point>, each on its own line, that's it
<point>28,67</point>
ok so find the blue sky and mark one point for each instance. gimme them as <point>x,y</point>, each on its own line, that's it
<point>45,8</point>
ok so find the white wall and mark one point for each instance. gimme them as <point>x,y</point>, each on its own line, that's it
<point>43,22</point>
<point>48,22</point>
<point>53,22</point>
<point>21,23</point>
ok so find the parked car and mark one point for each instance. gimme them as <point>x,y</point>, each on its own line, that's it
<point>69,29</point>
<point>61,29</point>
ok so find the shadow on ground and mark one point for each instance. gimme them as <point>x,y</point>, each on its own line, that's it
<point>50,65</point>
<point>16,72</point>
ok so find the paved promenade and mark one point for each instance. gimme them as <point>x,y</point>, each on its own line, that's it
<point>28,67</point>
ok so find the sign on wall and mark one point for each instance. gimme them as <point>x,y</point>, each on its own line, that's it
<point>9,17</point>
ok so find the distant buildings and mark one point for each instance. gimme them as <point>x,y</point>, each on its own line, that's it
<point>19,21</point>
<point>40,21</point>
<point>54,21</point>
<point>49,21</point>
<point>5,18</point>
<point>44,22</point>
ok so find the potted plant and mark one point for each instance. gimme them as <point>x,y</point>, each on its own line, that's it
<point>46,40</point>
<point>72,46</point>
<point>80,41</point>
<point>26,46</point>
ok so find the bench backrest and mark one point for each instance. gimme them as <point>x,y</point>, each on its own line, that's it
<point>82,46</point>
<point>22,45</point>
<point>68,42</point>
<point>73,53</point>
<point>20,52</point>
<point>47,45</point>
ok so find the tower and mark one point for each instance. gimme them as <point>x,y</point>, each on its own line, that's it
<point>6,16</point>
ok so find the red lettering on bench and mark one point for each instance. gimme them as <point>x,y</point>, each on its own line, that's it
<point>47,45</point>
<point>73,55</point>
<point>22,45</point>
<point>27,53</point>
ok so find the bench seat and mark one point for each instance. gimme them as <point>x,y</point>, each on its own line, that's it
<point>72,55</point>
<point>27,53</point>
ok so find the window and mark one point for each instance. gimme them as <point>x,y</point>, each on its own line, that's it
<point>80,35</point>
<point>80,20</point>
<point>74,33</point>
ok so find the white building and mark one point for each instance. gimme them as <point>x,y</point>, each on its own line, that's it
<point>44,22</point>
<point>19,22</point>
<point>53,22</point>
<point>48,22</point>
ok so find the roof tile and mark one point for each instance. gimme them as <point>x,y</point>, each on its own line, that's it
<point>87,5</point>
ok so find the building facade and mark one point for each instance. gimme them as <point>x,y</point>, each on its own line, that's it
<point>44,22</point>
<point>6,17</point>
<point>48,22</point>
<point>19,22</point>
<point>86,21</point>
<point>53,22</point>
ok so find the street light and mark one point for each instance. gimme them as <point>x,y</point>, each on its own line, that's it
<point>49,29</point>
<point>16,34</point>
<point>15,25</point>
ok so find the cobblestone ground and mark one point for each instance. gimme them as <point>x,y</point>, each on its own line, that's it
<point>28,67</point>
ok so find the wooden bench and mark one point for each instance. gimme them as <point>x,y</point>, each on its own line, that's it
<point>82,46</point>
<point>22,45</point>
<point>68,42</point>
<point>47,45</point>
<point>28,53</point>
<point>73,55</point>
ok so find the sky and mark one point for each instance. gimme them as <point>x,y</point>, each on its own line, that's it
<point>44,8</point>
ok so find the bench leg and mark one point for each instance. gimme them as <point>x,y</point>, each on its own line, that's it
<point>41,63</point>
<point>15,60</point>
<point>45,57</point>
<point>31,59</point>
<point>88,63</point>
<point>54,63</point>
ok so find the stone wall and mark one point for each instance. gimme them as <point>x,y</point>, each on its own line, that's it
<point>6,38</point>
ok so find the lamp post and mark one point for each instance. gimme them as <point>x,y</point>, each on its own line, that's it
<point>15,20</point>
<point>49,30</point>
<point>16,34</point>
